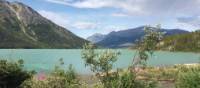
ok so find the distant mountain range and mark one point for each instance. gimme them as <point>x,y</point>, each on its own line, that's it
<point>96,37</point>
<point>22,27</point>
<point>126,38</point>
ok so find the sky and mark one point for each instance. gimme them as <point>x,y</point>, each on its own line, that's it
<point>86,17</point>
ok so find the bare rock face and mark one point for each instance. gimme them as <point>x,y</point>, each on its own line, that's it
<point>26,14</point>
<point>23,27</point>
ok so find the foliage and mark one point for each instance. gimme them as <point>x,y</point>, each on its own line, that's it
<point>129,80</point>
<point>145,47</point>
<point>101,63</point>
<point>183,42</point>
<point>12,74</point>
<point>59,78</point>
<point>160,73</point>
<point>188,77</point>
<point>148,44</point>
<point>98,85</point>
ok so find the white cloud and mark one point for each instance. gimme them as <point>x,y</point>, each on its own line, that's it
<point>60,19</point>
<point>124,8</point>
<point>84,3</point>
<point>186,26</point>
<point>110,28</point>
<point>94,4</point>
<point>193,21</point>
<point>141,7</point>
<point>119,15</point>
<point>84,25</point>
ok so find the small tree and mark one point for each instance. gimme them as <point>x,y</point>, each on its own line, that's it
<point>148,44</point>
<point>101,63</point>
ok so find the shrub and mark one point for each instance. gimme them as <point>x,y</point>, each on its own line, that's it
<point>12,74</point>
<point>147,45</point>
<point>188,77</point>
<point>59,78</point>
<point>129,80</point>
<point>101,63</point>
<point>69,77</point>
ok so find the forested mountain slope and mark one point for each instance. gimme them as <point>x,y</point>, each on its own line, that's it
<point>22,27</point>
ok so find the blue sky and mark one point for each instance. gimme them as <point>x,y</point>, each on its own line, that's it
<point>86,17</point>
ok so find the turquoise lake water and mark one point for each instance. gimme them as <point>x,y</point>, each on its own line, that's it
<point>44,60</point>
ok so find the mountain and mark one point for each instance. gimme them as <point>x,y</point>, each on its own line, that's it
<point>22,27</point>
<point>126,38</point>
<point>183,42</point>
<point>96,38</point>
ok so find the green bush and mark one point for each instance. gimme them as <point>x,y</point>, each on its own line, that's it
<point>12,74</point>
<point>147,45</point>
<point>59,78</point>
<point>189,42</point>
<point>188,77</point>
<point>102,64</point>
<point>129,80</point>
<point>49,82</point>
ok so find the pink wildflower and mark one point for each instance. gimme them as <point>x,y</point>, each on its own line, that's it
<point>41,76</point>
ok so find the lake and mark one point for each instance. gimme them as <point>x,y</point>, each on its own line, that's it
<point>44,60</point>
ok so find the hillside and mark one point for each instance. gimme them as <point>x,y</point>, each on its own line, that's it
<point>96,37</point>
<point>126,38</point>
<point>182,42</point>
<point>22,27</point>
